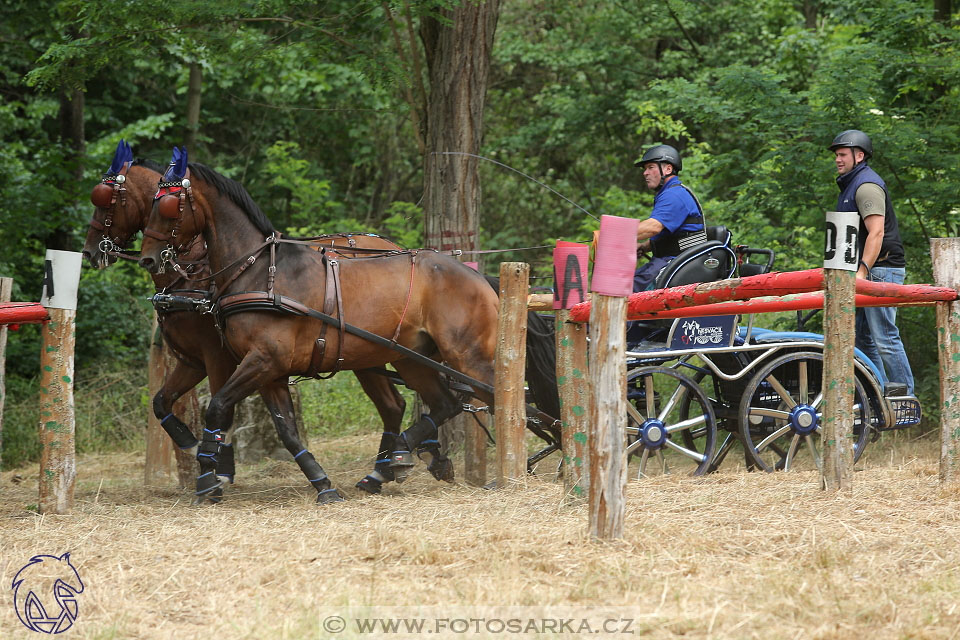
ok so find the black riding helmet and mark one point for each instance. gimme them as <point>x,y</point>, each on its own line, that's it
<point>662,153</point>
<point>853,138</point>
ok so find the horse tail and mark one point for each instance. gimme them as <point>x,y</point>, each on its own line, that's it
<point>541,363</point>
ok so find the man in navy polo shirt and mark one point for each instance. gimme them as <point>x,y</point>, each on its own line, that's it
<point>881,251</point>
<point>676,222</point>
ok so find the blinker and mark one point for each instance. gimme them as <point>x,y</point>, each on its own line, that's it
<point>102,195</point>
<point>169,206</point>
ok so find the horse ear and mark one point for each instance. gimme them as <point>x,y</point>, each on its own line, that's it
<point>182,165</point>
<point>65,557</point>
<point>118,158</point>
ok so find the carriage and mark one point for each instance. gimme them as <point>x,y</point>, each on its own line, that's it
<point>692,379</point>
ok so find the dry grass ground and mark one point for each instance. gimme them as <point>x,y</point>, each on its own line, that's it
<point>733,555</point>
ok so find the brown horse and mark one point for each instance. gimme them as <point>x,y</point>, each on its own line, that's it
<point>270,293</point>
<point>123,201</point>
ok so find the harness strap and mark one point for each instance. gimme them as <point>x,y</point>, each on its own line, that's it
<point>260,301</point>
<point>406,305</point>
<point>332,302</point>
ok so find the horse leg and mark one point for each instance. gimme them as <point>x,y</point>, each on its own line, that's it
<point>182,379</point>
<point>390,405</point>
<point>277,396</point>
<point>423,435</point>
<point>252,373</point>
<point>220,366</point>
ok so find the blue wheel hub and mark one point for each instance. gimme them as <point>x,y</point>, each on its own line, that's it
<point>803,419</point>
<point>653,433</point>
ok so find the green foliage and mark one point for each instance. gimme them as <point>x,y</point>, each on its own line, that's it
<point>338,407</point>
<point>110,411</point>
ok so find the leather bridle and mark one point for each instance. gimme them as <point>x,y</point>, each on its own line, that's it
<point>112,188</point>
<point>169,200</point>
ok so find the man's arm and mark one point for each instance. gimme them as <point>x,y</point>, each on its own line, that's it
<point>646,230</point>
<point>872,206</point>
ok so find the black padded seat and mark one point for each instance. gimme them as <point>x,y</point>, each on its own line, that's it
<point>712,260</point>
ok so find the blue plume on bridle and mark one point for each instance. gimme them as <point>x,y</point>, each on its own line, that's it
<point>178,165</point>
<point>123,155</point>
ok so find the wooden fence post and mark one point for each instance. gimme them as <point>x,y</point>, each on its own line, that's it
<point>574,387</point>
<point>608,416</point>
<point>6,291</point>
<point>945,253</point>
<point>841,260</point>
<point>159,453</point>
<point>510,417</point>
<point>58,464</point>
<point>475,449</point>
<point>612,282</point>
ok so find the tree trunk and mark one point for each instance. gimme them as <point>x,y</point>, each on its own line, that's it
<point>809,9</point>
<point>193,105</point>
<point>942,10</point>
<point>73,138</point>
<point>458,62</point>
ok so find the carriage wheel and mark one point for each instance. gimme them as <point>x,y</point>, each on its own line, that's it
<point>781,412</point>
<point>665,441</point>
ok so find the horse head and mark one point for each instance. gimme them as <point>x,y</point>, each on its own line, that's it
<point>121,203</point>
<point>188,199</point>
<point>171,226</point>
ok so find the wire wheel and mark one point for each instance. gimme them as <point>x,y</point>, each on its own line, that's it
<point>671,427</point>
<point>781,414</point>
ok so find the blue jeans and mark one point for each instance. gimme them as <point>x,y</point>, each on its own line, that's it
<point>646,275</point>
<point>878,336</point>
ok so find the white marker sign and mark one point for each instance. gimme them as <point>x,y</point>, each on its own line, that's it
<point>61,278</point>
<point>841,250</point>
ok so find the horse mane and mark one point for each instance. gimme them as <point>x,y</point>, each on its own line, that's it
<point>237,194</point>
<point>148,164</point>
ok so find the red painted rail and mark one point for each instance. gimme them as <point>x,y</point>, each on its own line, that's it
<point>795,302</point>
<point>704,296</point>
<point>22,313</point>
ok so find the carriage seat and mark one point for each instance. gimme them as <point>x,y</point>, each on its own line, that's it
<point>712,260</point>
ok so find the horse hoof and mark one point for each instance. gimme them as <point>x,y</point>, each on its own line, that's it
<point>402,460</point>
<point>329,495</point>
<point>401,463</point>
<point>386,473</point>
<point>214,496</point>
<point>370,484</point>
<point>442,469</point>
<point>209,489</point>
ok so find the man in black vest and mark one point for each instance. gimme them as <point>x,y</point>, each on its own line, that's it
<point>881,251</point>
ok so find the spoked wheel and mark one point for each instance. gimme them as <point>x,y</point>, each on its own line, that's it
<point>670,423</point>
<point>781,414</point>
